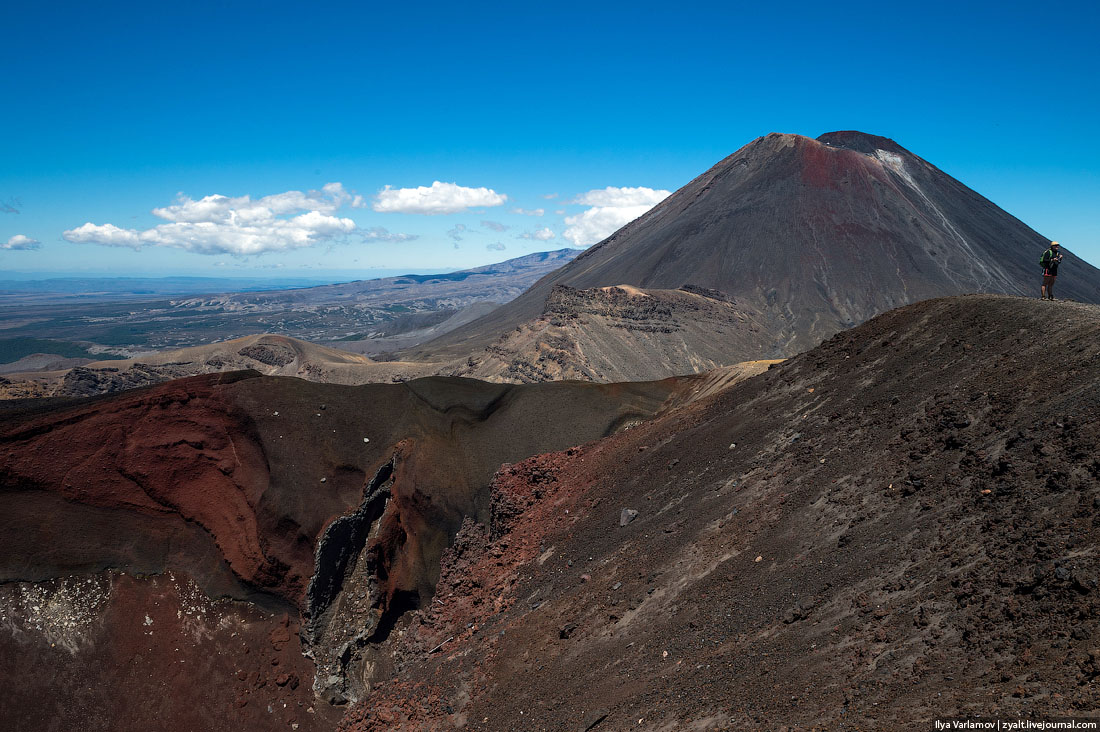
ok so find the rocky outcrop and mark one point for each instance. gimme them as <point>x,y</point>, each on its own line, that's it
<point>622,334</point>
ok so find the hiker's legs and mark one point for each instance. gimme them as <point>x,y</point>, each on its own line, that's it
<point>1043,290</point>
<point>1048,287</point>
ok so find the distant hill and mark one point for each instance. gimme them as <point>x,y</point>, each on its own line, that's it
<point>132,316</point>
<point>271,355</point>
<point>498,282</point>
<point>69,289</point>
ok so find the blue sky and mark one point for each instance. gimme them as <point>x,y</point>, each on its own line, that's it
<point>113,110</point>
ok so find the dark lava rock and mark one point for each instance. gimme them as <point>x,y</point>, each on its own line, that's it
<point>271,354</point>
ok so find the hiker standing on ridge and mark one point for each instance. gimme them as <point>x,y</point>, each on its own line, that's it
<point>1050,259</point>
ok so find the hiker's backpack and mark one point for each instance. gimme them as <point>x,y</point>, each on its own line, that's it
<point>1044,261</point>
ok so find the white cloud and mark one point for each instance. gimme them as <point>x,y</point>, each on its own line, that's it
<point>439,198</point>
<point>622,197</point>
<point>543,234</point>
<point>529,211</point>
<point>21,242</point>
<point>377,233</point>
<point>495,225</point>
<point>205,237</point>
<point>596,224</point>
<point>108,235</point>
<point>243,210</point>
<point>550,196</point>
<point>495,247</point>
<point>612,208</point>
<point>240,226</point>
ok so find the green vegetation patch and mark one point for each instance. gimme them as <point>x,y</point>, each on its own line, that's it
<point>13,349</point>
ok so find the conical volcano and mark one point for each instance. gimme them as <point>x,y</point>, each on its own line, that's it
<point>814,235</point>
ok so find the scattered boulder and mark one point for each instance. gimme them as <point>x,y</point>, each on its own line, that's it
<point>800,611</point>
<point>593,719</point>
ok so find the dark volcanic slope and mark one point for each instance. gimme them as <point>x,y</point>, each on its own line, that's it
<point>818,234</point>
<point>897,526</point>
<point>229,484</point>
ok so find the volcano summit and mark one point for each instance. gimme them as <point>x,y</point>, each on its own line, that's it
<point>806,237</point>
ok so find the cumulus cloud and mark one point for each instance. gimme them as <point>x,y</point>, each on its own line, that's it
<point>439,198</point>
<point>108,235</point>
<point>495,226</point>
<point>543,234</point>
<point>622,197</point>
<point>529,211</point>
<point>495,247</point>
<point>611,209</point>
<point>205,237</point>
<point>377,233</point>
<point>243,210</point>
<point>239,225</point>
<point>21,242</point>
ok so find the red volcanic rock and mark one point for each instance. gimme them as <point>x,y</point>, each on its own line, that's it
<point>219,477</point>
<point>821,167</point>
<point>177,450</point>
<point>114,652</point>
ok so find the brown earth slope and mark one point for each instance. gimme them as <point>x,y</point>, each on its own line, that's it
<point>816,235</point>
<point>897,526</point>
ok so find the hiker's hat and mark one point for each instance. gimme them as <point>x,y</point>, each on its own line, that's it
<point>1055,244</point>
